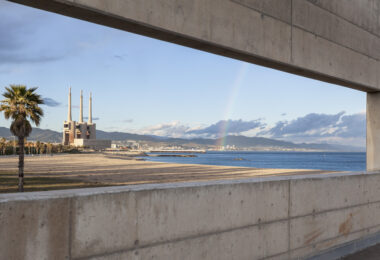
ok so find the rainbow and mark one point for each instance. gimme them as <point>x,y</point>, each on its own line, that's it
<point>240,76</point>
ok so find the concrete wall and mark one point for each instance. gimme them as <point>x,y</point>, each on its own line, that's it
<point>277,218</point>
<point>332,40</point>
<point>373,131</point>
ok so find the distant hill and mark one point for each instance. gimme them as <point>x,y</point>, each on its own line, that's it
<point>244,141</point>
<point>46,135</point>
<point>119,136</point>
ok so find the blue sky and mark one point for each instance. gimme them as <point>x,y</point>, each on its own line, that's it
<point>143,85</point>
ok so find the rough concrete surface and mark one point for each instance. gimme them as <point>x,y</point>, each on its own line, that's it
<point>35,229</point>
<point>373,127</point>
<point>258,218</point>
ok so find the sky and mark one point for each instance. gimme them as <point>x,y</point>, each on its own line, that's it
<point>146,86</point>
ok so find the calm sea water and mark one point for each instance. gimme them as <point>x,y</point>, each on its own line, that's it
<point>332,161</point>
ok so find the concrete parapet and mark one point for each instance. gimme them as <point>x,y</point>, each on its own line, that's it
<point>293,217</point>
<point>34,229</point>
<point>103,223</point>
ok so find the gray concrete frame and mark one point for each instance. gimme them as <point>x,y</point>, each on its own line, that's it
<point>336,41</point>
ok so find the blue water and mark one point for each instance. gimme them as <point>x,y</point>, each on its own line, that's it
<point>332,161</point>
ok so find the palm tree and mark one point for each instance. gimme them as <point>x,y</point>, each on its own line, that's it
<point>21,104</point>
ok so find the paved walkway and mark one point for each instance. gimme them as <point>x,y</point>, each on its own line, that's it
<point>371,253</point>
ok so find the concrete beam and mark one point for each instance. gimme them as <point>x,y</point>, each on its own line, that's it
<point>308,38</point>
<point>363,13</point>
<point>373,131</point>
<point>324,23</point>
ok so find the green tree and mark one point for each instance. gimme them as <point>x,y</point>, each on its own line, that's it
<point>2,145</point>
<point>60,148</point>
<point>21,104</point>
<point>38,145</point>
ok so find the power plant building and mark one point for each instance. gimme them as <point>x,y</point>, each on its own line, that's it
<point>82,134</point>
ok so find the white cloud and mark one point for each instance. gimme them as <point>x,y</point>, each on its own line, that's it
<point>173,129</point>
<point>336,128</point>
<point>312,128</point>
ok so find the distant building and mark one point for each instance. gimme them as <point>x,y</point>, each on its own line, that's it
<point>82,133</point>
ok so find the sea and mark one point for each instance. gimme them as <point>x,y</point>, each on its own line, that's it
<point>330,161</point>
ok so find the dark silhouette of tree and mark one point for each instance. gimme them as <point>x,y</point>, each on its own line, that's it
<point>21,105</point>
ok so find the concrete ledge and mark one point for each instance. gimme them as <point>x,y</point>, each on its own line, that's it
<point>283,217</point>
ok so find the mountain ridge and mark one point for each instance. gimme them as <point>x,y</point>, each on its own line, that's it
<point>47,135</point>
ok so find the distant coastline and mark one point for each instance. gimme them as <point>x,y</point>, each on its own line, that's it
<point>231,142</point>
<point>329,161</point>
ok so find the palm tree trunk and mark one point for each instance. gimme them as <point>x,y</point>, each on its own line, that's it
<point>21,164</point>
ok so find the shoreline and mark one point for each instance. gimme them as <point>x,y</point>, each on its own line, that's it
<point>88,170</point>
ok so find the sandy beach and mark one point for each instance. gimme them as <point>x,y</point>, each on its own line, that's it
<point>104,170</point>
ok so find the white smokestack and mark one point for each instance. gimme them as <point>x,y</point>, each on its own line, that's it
<point>69,107</point>
<point>81,108</point>
<point>90,110</point>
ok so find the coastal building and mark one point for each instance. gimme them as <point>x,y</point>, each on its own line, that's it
<point>82,133</point>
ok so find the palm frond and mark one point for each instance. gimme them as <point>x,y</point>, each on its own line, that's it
<point>21,104</point>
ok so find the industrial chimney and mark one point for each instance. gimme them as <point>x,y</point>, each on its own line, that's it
<point>81,107</point>
<point>90,110</point>
<point>69,107</point>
